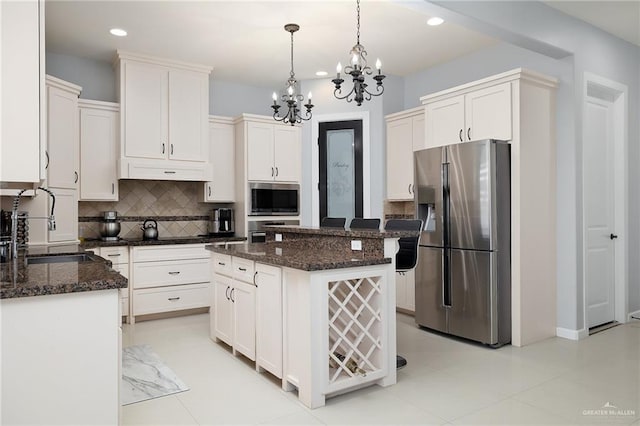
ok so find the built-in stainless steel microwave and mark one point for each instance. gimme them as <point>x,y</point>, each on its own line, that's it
<point>274,199</point>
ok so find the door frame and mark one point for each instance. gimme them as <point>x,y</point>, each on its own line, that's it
<point>315,158</point>
<point>617,95</point>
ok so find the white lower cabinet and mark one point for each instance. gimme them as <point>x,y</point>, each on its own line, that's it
<point>169,278</point>
<point>406,290</point>
<point>222,315</point>
<point>243,298</point>
<point>269,319</point>
<point>119,257</point>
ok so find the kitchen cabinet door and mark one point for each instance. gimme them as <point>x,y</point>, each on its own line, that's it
<point>66,214</point>
<point>222,157</point>
<point>222,315</point>
<point>62,137</point>
<point>269,318</point>
<point>444,122</point>
<point>260,153</point>
<point>406,291</point>
<point>287,153</point>
<point>488,113</point>
<point>98,146</point>
<point>188,116</point>
<point>144,111</point>
<point>22,47</point>
<point>417,123</point>
<point>243,298</point>
<point>400,159</point>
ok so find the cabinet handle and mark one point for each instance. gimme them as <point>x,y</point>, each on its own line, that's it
<point>46,154</point>
<point>163,148</point>
<point>231,295</point>
<point>254,278</point>
<point>113,255</point>
<point>76,177</point>
<point>174,298</point>
<point>460,135</point>
<point>171,149</point>
<point>209,186</point>
<point>226,293</point>
<point>169,172</point>
<point>409,188</point>
<point>174,272</point>
<point>243,269</point>
<point>113,188</point>
<point>221,263</point>
<point>272,172</point>
<point>613,236</point>
<point>469,133</point>
<point>277,171</point>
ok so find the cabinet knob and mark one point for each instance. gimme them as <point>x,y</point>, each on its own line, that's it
<point>613,236</point>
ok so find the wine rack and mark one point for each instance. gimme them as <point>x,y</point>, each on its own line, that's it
<point>355,329</point>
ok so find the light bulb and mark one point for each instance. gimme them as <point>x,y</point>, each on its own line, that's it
<point>339,68</point>
<point>354,59</point>
<point>274,96</point>
<point>290,91</point>
<point>309,96</point>
<point>378,64</point>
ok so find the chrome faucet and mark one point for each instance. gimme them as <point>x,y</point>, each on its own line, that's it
<point>14,219</point>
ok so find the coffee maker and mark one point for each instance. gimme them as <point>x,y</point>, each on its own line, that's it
<point>221,222</point>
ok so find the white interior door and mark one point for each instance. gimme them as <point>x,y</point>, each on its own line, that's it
<point>599,213</point>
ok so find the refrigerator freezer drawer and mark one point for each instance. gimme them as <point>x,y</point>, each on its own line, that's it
<point>430,311</point>
<point>474,313</point>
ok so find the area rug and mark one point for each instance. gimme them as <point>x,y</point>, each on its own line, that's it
<point>145,376</point>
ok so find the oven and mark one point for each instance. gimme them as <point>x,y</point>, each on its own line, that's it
<point>257,231</point>
<point>274,199</point>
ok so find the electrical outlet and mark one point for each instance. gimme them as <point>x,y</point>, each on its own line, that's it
<point>278,237</point>
<point>356,245</point>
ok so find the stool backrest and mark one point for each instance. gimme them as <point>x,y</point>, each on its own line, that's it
<point>361,223</point>
<point>333,222</point>
<point>407,256</point>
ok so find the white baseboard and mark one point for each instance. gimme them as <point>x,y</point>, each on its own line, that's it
<point>635,314</point>
<point>567,333</point>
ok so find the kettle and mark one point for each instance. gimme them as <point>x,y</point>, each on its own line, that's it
<point>150,231</point>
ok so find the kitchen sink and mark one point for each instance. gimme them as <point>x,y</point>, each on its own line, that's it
<point>81,257</point>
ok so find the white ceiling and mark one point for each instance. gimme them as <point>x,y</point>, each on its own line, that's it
<point>620,18</point>
<point>245,41</point>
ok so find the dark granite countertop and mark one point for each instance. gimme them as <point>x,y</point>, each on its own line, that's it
<point>17,279</point>
<point>298,255</point>
<point>92,243</point>
<point>341,232</point>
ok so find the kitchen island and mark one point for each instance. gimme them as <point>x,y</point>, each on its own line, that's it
<point>309,309</point>
<point>61,338</point>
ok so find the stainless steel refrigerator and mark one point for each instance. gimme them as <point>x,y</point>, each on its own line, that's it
<point>463,277</point>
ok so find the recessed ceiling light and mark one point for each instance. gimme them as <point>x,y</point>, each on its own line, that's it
<point>435,21</point>
<point>118,32</point>
<point>321,73</point>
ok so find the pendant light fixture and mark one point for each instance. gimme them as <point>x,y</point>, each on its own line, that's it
<point>291,96</point>
<point>358,70</point>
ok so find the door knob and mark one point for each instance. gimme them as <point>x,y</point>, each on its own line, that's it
<point>613,236</point>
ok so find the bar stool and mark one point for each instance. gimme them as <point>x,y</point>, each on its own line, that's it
<point>361,223</point>
<point>333,222</point>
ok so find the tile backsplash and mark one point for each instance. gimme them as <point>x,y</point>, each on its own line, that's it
<point>174,205</point>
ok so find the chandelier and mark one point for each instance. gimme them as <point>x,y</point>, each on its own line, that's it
<point>358,69</point>
<point>291,96</point>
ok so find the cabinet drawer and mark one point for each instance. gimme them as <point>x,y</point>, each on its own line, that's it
<point>222,264</point>
<point>242,269</point>
<point>168,170</point>
<point>172,252</point>
<point>149,301</point>
<point>156,274</point>
<point>115,254</point>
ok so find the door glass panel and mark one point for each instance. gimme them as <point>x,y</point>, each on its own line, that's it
<point>341,174</point>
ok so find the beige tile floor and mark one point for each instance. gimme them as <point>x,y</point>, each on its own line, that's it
<point>446,381</point>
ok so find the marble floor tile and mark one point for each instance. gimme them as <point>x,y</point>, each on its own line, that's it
<point>145,376</point>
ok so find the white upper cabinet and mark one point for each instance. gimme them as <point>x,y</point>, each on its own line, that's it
<point>188,116</point>
<point>63,162</point>
<point>479,114</point>
<point>165,113</point>
<point>222,157</point>
<point>273,151</point>
<point>405,134</point>
<point>287,153</point>
<point>98,147</point>
<point>21,85</point>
